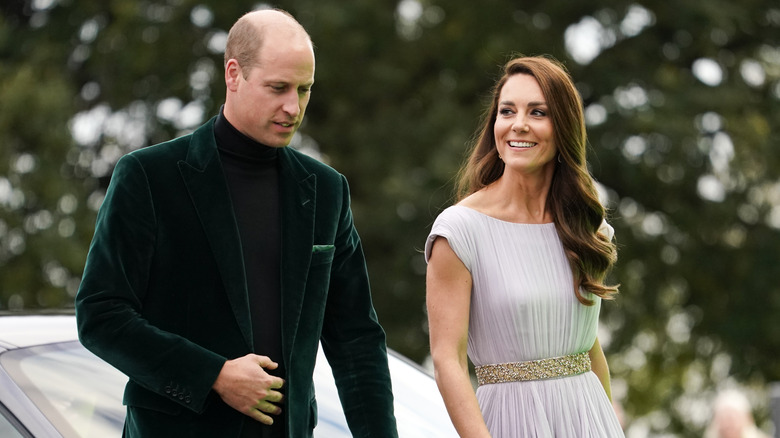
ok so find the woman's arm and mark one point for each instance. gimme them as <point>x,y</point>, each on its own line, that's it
<point>448,289</point>
<point>600,367</point>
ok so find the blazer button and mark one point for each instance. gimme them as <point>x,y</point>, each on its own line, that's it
<point>187,399</point>
<point>174,393</point>
<point>168,389</point>
<point>181,396</point>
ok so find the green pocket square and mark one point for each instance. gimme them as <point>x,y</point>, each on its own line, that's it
<point>321,248</point>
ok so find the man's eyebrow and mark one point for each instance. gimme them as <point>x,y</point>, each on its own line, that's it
<point>288,83</point>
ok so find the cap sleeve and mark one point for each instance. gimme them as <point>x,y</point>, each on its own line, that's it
<point>452,226</point>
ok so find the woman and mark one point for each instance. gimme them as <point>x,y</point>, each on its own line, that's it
<point>516,270</point>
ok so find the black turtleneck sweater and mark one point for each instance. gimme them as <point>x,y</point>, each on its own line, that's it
<point>252,174</point>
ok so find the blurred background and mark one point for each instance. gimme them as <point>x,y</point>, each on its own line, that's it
<point>682,101</point>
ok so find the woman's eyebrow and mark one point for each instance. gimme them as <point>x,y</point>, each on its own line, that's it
<point>512,103</point>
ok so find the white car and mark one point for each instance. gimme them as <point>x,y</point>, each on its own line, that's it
<point>51,386</point>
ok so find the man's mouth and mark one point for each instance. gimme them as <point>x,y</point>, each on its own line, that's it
<point>521,144</point>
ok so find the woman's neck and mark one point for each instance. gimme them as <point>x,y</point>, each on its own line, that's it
<point>513,200</point>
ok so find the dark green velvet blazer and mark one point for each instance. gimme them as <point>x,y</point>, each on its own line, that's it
<point>164,298</point>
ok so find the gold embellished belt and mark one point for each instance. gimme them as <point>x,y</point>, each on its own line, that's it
<point>562,366</point>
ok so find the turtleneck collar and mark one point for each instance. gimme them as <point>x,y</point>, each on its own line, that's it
<point>233,143</point>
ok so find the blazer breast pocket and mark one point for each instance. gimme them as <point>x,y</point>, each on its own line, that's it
<point>322,254</point>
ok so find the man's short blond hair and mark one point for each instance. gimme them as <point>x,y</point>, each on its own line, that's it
<point>246,37</point>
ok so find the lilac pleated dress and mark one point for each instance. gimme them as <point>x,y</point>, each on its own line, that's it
<point>523,308</point>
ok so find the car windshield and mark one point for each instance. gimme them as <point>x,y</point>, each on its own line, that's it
<point>76,392</point>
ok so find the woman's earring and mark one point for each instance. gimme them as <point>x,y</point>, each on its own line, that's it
<point>559,158</point>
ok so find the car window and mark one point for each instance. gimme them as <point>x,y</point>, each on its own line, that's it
<point>78,393</point>
<point>7,427</point>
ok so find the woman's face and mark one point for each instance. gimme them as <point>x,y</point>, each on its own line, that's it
<point>523,129</point>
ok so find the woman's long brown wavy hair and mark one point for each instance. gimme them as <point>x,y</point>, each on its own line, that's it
<point>573,200</point>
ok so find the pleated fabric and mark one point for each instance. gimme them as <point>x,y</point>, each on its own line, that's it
<point>523,308</point>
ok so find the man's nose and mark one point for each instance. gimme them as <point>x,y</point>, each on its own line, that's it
<point>292,104</point>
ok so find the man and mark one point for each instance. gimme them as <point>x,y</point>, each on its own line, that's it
<point>221,260</point>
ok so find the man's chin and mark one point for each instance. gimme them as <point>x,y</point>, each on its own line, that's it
<point>278,142</point>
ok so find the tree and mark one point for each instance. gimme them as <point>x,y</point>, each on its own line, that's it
<point>680,103</point>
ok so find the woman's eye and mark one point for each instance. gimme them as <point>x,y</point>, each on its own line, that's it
<point>505,112</point>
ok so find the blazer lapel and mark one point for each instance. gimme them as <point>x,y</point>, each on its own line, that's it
<point>207,187</point>
<point>298,189</point>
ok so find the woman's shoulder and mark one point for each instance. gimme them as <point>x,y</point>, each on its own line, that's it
<point>455,214</point>
<point>474,201</point>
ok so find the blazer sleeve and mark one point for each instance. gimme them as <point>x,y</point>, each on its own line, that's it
<point>109,303</point>
<point>352,339</point>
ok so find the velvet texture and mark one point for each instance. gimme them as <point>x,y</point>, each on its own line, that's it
<point>164,296</point>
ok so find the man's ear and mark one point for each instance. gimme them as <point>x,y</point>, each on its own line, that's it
<point>232,74</point>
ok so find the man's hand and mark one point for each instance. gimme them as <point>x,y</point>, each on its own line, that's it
<point>245,386</point>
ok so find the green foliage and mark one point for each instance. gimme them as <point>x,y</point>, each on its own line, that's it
<point>681,100</point>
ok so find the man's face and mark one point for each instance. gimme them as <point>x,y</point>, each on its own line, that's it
<point>268,104</point>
